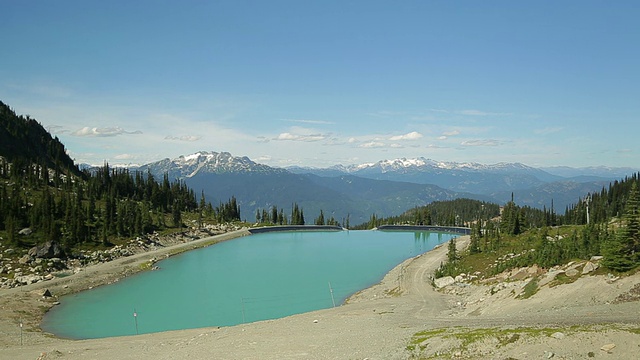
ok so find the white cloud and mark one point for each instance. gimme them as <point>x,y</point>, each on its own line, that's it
<point>264,158</point>
<point>125,157</point>
<point>304,121</point>
<point>184,137</point>
<point>482,142</point>
<point>372,145</point>
<point>414,135</point>
<point>451,133</point>
<point>103,132</point>
<point>443,137</point>
<point>297,137</point>
<point>56,129</point>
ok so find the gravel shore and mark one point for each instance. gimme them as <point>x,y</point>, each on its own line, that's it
<point>402,317</point>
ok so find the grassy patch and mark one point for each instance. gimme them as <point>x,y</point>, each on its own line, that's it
<point>500,337</point>
<point>530,289</point>
<point>395,292</point>
<point>421,336</point>
<point>562,279</point>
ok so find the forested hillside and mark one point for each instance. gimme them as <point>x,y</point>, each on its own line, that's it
<point>45,198</point>
<point>606,223</point>
<point>23,141</point>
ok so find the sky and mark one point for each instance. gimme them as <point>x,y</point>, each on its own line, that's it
<point>320,83</point>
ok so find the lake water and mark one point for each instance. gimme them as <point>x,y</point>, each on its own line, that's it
<point>257,277</point>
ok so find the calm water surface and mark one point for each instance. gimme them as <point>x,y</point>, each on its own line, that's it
<point>257,277</point>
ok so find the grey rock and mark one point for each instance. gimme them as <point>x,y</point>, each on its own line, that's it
<point>47,250</point>
<point>28,279</point>
<point>444,281</point>
<point>25,259</point>
<point>572,272</point>
<point>608,347</point>
<point>589,267</point>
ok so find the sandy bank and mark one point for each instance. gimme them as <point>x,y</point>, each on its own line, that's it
<point>378,323</point>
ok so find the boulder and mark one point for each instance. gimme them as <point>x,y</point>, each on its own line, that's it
<point>608,347</point>
<point>45,293</point>
<point>24,260</point>
<point>25,232</point>
<point>589,267</point>
<point>533,270</point>
<point>549,277</point>
<point>47,250</point>
<point>444,281</point>
<point>521,274</point>
<point>572,272</point>
<point>28,279</point>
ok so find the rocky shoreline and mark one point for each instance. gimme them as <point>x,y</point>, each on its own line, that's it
<point>45,262</point>
<point>402,317</point>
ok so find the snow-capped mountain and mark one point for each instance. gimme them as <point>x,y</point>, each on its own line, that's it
<point>467,177</point>
<point>385,187</point>
<point>206,162</point>
<point>424,165</point>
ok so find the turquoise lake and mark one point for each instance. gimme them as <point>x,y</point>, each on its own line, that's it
<point>252,278</point>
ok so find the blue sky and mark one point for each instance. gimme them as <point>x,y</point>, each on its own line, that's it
<point>318,83</point>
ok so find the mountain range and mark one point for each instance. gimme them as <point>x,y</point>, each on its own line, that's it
<point>384,188</point>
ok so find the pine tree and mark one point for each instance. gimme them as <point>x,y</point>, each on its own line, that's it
<point>622,250</point>
<point>452,254</point>
<point>476,235</point>
<point>320,219</point>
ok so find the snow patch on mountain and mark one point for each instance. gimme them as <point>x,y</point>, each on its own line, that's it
<point>186,166</point>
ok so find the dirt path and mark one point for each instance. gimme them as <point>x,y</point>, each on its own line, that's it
<point>380,323</point>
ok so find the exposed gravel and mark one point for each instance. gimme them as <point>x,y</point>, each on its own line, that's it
<point>378,323</point>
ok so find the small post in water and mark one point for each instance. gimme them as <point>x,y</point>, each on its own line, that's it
<point>135,319</point>
<point>20,332</point>
<point>242,301</point>
<point>331,291</point>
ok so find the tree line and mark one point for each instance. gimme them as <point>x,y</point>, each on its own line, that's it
<point>458,212</point>
<point>276,216</point>
<point>95,207</point>
<point>605,224</point>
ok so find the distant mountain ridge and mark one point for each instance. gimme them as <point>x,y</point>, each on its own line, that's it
<point>207,162</point>
<point>386,188</point>
<point>465,177</point>
<point>220,175</point>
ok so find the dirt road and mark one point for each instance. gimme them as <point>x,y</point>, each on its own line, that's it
<point>382,322</point>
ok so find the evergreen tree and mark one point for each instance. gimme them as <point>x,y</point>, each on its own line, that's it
<point>622,250</point>
<point>320,219</point>
<point>476,235</point>
<point>452,253</point>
